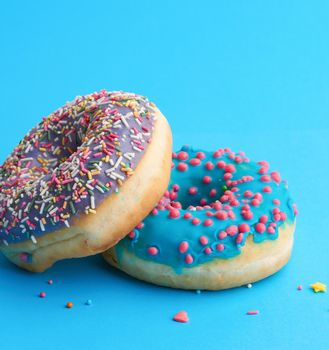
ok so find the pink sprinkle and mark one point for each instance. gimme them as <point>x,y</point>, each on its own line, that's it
<point>255,202</point>
<point>276,176</point>
<point>217,205</point>
<point>203,201</point>
<point>217,154</point>
<point>192,190</point>
<point>207,250</point>
<point>245,207</point>
<point>183,246</point>
<point>140,225</point>
<point>221,164</point>
<point>267,189</point>
<point>295,209</point>
<point>265,178</point>
<point>221,215</point>
<point>207,179</point>
<point>283,216</point>
<point>253,312</point>
<point>213,192</point>
<point>132,235</point>
<point>299,287</point>
<point>195,221</point>
<point>244,228</point>
<point>187,216</point>
<point>174,213</point>
<point>182,155</point>
<point>189,259</point>
<point>155,211</point>
<point>238,159</point>
<point>260,227</point>
<point>276,201</point>
<point>222,235</point>
<point>262,170</point>
<point>182,166</point>
<point>276,211</point>
<point>277,217</point>
<point>153,250</point>
<point>230,168</point>
<point>181,317</point>
<point>42,295</point>
<point>227,176</point>
<point>239,238</point>
<point>264,163</point>
<point>50,282</point>
<point>200,155</point>
<point>232,230</point>
<point>195,161</point>
<point>271,230</point>
<point>220,247</point>
<point>203,240</point>
<point>209,166</point>
<point>247,215</point>
<point>207,222</point>
<point>248,194</point>
<point>258,196</point>
<point>263,219</point>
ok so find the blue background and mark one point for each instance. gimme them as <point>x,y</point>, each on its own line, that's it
<point>250,75</point>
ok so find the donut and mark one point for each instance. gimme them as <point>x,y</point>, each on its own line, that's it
<point>82,178</point>
<point>223,222</point>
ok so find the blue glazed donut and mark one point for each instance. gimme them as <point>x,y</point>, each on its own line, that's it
<point>224,221</point>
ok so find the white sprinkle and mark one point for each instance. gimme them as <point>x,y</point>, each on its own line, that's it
<point>99,189</point>
<point>42,207</point>
<point>33,239</point>
<point>249,285</point>
<point>42,226</point>
<point>53,211</point>
<point>67,223</point>
<point>137,149</point>
<point>5,242</point>
<point>92,202</point>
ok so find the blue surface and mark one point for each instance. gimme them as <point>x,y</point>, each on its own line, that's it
<point>250,75</point>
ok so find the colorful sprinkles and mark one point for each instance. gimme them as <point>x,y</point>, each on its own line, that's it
<point>70,161</point>
<point>214,201</point>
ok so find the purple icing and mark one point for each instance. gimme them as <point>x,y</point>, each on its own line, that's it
<point>71,161</point>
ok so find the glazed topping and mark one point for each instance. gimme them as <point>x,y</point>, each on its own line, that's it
<point>214,201</point>
<point>71,161</point>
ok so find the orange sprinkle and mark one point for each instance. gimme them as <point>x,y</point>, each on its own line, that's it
<point>69,305</point>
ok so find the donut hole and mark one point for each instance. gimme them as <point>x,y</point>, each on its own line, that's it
<point>50,147</point>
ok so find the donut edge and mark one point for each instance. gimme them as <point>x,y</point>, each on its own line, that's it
<point>91,234</point>
<point>256,261</point>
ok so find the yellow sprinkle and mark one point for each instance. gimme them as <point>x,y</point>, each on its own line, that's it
<point>93,211</point>
<point>89,175</point>
<point>65,205</point>
<point>44,221</point>
<point>318,287</point>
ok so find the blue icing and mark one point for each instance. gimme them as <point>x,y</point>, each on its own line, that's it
<point>166,234</point>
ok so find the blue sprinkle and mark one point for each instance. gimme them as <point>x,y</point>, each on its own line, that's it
<point>88,302</point>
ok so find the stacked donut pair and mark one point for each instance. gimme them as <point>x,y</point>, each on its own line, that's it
<point>98,176</point>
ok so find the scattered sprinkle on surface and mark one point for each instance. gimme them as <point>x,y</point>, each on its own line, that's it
<point>318,287</point>
<point>181,317</point>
